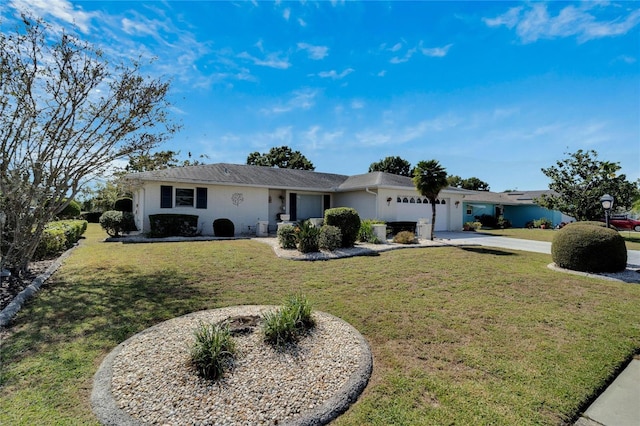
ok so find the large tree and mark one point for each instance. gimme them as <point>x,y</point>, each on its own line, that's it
<point>282,157</point>
<point>66,113</point>
<point>580,180</point>
<point>430,178</point>
<point>393,165</point>
<point>472,183</point>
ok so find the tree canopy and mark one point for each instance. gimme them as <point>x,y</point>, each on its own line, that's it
<point>393,165</point>
<point>579,182</point>
<point>65,115</point>
<point>430,178</point>
<point>472,183</point>
<point>281,157</point>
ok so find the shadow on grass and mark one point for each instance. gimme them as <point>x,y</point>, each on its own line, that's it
<point>484,250</point>
<point>104,310</point>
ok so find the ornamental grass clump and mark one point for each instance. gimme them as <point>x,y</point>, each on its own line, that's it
<point>405,237</point>
<point>288,323</point>
<point>213,350</point>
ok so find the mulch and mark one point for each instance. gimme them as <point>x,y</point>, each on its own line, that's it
<point>10,287</point>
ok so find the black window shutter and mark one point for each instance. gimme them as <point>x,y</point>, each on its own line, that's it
<point>293,206</point>
<point>166,197</point>
<point>326,202</point>
<point>201,198</point>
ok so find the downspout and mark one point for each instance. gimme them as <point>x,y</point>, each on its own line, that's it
<point>376,195</point>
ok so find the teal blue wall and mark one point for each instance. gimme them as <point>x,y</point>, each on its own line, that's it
<point>517,215</point>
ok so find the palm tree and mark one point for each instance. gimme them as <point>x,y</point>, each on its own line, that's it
<point>430,178</point>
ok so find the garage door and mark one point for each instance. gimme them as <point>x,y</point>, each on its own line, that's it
<point>414,211</point>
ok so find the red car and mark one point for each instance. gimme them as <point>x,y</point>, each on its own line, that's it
<point>623,222</point>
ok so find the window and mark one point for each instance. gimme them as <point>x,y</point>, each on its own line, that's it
<point>201,198</point>
<point>166,197</point>
<point>469,210</point>
<point>184,197</point>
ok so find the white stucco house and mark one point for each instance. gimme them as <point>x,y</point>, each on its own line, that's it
<point>249,195</point>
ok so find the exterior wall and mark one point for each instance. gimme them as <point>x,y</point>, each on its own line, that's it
<point>520,215</point>
<point>476,210</point>
<point>250,206</point>
<point>363,202</point>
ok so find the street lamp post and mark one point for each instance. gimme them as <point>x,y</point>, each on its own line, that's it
<point>607,203</point>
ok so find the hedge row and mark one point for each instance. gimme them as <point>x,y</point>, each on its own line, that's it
<point>59,236</point>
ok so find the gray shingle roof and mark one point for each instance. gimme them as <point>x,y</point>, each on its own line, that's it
<point>505,198</point>
<point>244,175</point>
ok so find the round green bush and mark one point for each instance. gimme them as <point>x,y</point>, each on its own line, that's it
<point>589,248</point>
<point>223,228</point>
<point>287,236</point>
<point>587,223</point>
<point>112,222</point>
<point>71,211</point>
<point>330,237</point>
<point>347,220</point>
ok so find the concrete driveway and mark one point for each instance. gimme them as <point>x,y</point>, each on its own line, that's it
<point>477,238</point>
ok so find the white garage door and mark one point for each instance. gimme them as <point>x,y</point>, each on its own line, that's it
<point>408,211</point>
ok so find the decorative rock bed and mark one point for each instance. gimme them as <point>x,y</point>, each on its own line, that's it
<point>148,379</point>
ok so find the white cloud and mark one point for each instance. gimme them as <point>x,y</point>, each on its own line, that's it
<point>405,58</point>
<point>357,104</point>
<point>334,75</point>
<point>534,22</point>
<point>286,14</point>
<point>300,100</point>
<point>63,10</point>
<point>302,22</point>
<point>271,60</point>
<point>315,52</point>
<point>435,52</point>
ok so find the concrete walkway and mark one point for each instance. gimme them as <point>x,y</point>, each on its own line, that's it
<point>619,404</point>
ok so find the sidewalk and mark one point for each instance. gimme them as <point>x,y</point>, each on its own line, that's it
<point>619,404</point>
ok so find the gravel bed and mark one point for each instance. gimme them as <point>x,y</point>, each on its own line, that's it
<point>152,382</point>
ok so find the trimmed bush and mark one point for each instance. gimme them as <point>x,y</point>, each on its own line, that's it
<point>114,222</point>
<point>223,227</point>
<point>213,350</point>
<point>589,248</point>
<point>330,237</point>
<point>307,237</point>
<point>347,220</point>
<point>52,243</point>
<point>173,225</point>
<point>588,223</point>
<point>91,217</point>
<point>405,237</point>
<point>59,236</point>
<point>124,205</point>
<point>72,211</point>
<point>287,236</point>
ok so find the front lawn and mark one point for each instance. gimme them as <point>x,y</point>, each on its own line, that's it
<point>461,336</point>
<point>632,238</point>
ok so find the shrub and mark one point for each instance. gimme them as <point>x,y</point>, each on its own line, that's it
<point>123,205</point>
<point>52,243</point>
<point>112,222</point>
<point>589,248</point>
<point>347,220</point>
<point>471,226</point>
<point>91,217</point>
<point>223,228</point>
<point>366,234</point>
<point>330,237</point>
<point>487,220</point>
<point>588,223</point>
<point>543,222</point>
<point>72,211</point>
<point>405,237</point>
<point>287,236</point>
<point>504,223</point>
<point>173,225</point>
<point>307,237</point>
<point>212,350</point>
<point>286,324</point>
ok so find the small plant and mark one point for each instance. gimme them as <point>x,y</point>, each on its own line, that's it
<point>405,237</point>
<point>542,223</point>
<point>213,350</point>
<point>287,236</point>
<point>366,234</point>
<point>287,323</point>
<point>330,237</point>
<point>471,226</point>
<point>307,237</point>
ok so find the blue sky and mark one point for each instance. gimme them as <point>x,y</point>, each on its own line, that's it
<point>495,90</point>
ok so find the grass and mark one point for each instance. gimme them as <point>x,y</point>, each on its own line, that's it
<point>459,335</point>
<point>632,239</point>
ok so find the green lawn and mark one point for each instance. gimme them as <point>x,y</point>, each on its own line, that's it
<point>632,238</point>
<point>461,336</point>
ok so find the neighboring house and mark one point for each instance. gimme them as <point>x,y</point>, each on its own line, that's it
<point>249,195</point>
<point>517,206</point>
